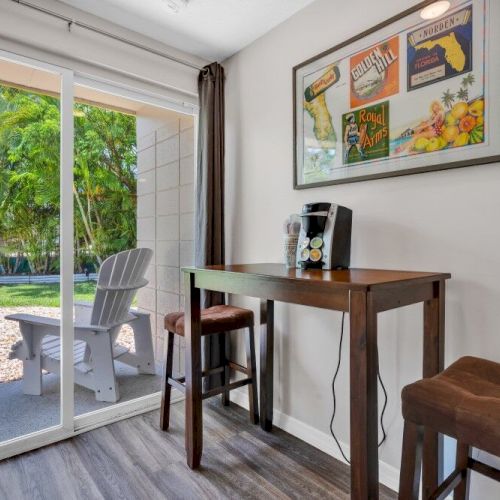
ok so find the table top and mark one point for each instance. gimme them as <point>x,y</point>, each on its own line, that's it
<point>346,278</point>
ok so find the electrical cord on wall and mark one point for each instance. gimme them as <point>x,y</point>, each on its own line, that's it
<point>384,435</point>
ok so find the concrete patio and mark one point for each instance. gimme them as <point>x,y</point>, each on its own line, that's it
<point>21,414</point>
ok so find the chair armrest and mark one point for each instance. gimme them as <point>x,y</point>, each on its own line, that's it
<point>52,322</point>
<point>34,320</point>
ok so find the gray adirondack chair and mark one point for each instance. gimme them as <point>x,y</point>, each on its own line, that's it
<point>96,328</point>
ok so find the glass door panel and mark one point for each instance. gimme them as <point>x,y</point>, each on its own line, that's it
<point>133,177</point>
<point>30,249</point>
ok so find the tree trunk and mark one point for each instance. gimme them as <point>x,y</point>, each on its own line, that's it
<point>16,264</point>
<point>86,224</point>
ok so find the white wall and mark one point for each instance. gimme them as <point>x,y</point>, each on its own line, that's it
<point>442,221</point>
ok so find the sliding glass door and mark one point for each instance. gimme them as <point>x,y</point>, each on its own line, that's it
<point>88,172</point>
<point>105,223</point>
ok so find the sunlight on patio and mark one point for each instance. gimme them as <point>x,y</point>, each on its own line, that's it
<point>17,409</point>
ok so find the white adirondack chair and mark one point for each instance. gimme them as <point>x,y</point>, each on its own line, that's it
<point>96,327</point>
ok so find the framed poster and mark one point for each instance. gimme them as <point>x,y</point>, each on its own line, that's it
<point>407,96</point>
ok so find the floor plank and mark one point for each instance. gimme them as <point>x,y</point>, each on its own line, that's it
<point>133,459</point>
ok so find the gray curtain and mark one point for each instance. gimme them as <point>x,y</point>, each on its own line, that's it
<point>209,236</point>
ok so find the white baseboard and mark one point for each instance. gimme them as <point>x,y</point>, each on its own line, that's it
<point>388,475</point>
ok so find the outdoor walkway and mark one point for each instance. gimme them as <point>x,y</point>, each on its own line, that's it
<point>18,279</point>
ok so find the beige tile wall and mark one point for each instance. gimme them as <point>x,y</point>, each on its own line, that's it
<point>165,215</point>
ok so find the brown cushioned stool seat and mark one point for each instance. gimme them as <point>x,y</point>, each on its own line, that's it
<point>216,319</point>
<point>463,402</point>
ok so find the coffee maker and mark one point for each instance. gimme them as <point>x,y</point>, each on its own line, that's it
<point>325,237</point>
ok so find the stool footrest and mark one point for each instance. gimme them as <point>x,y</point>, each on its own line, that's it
<point>205,373</point>
<point>228,387</point>
<point>178,383</point>
<point>237,367</point>
<point>449,484</point>
<point>214,371</point>
<point>484,469</point>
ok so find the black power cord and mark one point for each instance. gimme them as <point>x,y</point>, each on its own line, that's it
<point>384,435</point>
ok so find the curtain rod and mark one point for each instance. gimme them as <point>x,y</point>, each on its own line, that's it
<point>73,22</point>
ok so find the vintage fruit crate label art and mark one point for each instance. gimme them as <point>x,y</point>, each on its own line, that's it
<point>365,133</point>
<point>454,118</point>
<point>374,73</point>
<point>416,95</point>
<point>320,141</point>
<point>440,50</point>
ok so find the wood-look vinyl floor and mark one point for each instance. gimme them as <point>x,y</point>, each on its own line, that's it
<point>133,459</point>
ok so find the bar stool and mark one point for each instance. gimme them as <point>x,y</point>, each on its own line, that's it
<point>216,319</point>
<point>463,402</point>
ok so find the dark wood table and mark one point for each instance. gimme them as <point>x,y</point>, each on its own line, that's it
<point>363,293</point>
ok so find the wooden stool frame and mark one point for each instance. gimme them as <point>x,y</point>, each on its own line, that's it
<point>458,481</point>
<point>226,368</point>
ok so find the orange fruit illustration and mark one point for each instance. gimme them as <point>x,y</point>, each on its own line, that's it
<point>467,123</point>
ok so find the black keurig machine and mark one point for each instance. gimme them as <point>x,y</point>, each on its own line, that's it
<point>325,237</point>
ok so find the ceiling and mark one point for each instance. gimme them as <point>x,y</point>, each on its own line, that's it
<point>210,29</point>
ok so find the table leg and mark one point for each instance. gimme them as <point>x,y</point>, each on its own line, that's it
<point>363,380</point>
<point>266,364</point>
<point>192,337</point>
<point>433,363</point>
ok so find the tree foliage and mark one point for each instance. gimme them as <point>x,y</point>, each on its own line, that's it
<point>104,180</point>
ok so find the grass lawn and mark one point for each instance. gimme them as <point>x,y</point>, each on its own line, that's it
<point>42,294</point>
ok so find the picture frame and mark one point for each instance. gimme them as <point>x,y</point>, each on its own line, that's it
<point>404,97</point>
